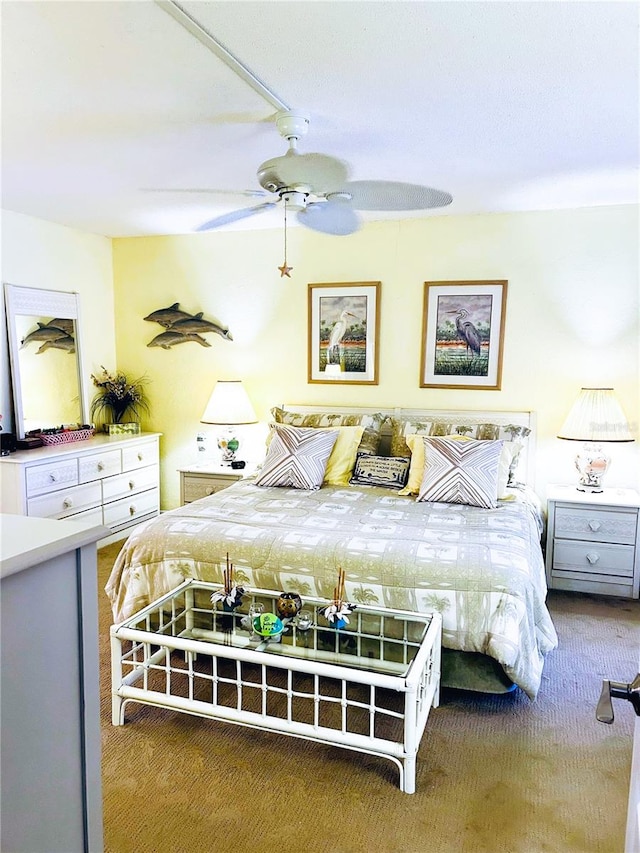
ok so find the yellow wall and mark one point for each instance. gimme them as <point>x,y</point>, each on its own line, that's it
<point>572,319</point>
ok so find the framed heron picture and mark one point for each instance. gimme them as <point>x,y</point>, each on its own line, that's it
<point>462,334</point>
<point>344,325</point>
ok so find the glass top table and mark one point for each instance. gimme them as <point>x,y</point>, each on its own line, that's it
<point>312,680</point>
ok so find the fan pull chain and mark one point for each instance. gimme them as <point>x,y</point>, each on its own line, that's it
<point>284,269</point>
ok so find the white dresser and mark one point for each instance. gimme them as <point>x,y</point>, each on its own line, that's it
<point>108,480</point>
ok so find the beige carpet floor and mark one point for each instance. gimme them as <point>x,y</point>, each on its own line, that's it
<point>496,774</point>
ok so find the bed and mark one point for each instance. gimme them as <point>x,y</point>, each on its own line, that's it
<point>481,567</point>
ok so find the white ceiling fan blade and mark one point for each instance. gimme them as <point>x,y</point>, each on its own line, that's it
<point>335,217</point>
<point>235,216</point>
<point>203,190</point>
<point>394,195</point>
<point>319,173</point>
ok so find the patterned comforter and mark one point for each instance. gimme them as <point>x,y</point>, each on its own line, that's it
<point>481,569</point>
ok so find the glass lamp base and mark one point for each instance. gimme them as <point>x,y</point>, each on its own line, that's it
<point>228,445</point>
<point>592,464</point>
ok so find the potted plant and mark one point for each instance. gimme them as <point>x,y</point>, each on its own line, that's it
<point>119,399</point>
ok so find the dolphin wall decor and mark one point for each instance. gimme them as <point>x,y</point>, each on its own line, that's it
<point>181,327</point>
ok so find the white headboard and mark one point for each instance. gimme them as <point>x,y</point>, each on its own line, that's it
<point>526,464</point>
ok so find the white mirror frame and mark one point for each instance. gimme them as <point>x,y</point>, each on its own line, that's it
<point>36,302</point>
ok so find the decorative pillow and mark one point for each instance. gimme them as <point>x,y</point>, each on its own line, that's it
<point>343,456</point>
<point>461,472</point>
<point>402,429</point>
<point>416,470</point>
<point>389,471</point>
<point>415,443</point>
<point>297,457</point>
<point>371,423</point>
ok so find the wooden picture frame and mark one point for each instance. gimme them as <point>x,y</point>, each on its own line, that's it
<point>349,312</point>
<point>463,334</point>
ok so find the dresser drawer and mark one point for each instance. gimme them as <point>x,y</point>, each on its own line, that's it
<point>593,558</point>
<point>195,487</point>
<point>596,525</point>
<point>99,465</point>
<point>140,456</point>
<point>124,511</point>
<point>138,480</point>
<point>51,476</point>
<point>66,502</point>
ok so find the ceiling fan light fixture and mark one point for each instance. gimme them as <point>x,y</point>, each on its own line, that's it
<point>294,199</point>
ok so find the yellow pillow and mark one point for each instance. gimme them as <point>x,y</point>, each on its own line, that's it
<point>343,456</point>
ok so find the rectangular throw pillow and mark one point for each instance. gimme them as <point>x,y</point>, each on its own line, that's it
<point>461,472</point>
<point>388,471</point>
<point>372,424</point>
<point>297,457</point>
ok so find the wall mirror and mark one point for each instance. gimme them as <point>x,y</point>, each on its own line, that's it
<point>43,329</point>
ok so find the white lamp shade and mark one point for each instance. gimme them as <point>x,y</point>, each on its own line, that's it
<point>229,403</point>
<point>596,416</point>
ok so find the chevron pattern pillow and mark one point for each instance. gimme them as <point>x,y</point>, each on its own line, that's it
<point>297,457</point>
<point>461,472</point>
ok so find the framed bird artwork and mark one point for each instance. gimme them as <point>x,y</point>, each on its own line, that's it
<point>344,326</point>
<point>463,334</point>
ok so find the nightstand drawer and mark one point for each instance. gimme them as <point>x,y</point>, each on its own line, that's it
<point>595,524</point>
<point>201,487</point>
<point>593,558</point>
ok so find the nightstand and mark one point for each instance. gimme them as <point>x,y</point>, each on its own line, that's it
<point>593,541</point>
<point>200,481</point>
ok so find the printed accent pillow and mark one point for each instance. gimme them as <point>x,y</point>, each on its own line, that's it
<point>510,449</point>
<point>343,456</point>
<point>388,471</point>
<point>372,424</point>
<point>297,457</point>
<point>461,472</point>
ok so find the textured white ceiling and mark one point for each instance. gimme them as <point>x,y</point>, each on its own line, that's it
<point>506,105</point>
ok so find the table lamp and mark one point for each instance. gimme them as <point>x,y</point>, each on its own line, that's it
<point>229,406</point>
<point>596,417</point>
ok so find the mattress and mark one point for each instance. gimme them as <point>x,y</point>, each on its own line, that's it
<point>482,569</point>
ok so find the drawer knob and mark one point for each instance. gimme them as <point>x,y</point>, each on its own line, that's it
<point>132,485</point>
<point>594,525</point>
<point>53,478</point>
<point>593,558</point>
<point>100,466</point>
<point>140,457</point>
<point>132,510</point>
<point>67,503</point>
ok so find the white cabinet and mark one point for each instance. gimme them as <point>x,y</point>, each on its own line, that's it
<point>110,480</point>
<point>593,541</point>
<point>49,697</point>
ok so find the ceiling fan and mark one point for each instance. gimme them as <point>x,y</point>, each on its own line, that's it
<point>317,188</point>
<point>314,186</point>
